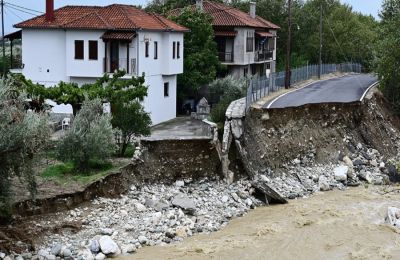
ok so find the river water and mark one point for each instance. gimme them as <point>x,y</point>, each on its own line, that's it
<point>332,225</point>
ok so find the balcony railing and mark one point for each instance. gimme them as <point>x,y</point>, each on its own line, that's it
<point>263,55</point>
<point>111,65</point>
<point>225,56</point>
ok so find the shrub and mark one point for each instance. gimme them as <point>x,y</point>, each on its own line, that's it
<point>23,134</point>
<point>90,138</point>
<point>229,89</point>
<point>132,121</point>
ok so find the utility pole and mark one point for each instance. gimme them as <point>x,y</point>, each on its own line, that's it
<point>320,44</point>
<point>288,50</point>
<point>2,38</point>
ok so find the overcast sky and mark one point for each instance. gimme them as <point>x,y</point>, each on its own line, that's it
<point>13,16</point>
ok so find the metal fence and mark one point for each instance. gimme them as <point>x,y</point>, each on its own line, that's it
<point>260,87</point>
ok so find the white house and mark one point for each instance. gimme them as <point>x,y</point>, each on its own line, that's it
<point>246,42</point>
<point>81,43</point>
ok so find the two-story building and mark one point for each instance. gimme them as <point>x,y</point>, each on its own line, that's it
<point>246,42</point>
<point>81,43</point>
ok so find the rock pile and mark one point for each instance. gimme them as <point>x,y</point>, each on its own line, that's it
<point>148,215</point>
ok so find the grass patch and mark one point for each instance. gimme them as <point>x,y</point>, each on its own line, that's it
<point>65,173</point>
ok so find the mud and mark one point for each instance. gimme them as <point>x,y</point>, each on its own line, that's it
<point>332,225</point>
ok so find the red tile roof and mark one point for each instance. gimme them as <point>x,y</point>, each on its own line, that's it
<point>225,33</point>
<point>118,35</point>
<point>224,15</point>
<point>112,17</point>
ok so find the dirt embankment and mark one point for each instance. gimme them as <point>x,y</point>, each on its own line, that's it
<point>319,133</point>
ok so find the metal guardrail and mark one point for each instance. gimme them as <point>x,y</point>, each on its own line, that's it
<point>110,66</point>
<point>260,87</point>
<point>225,56</point>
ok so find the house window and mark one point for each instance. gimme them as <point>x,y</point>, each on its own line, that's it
<point>250,41</point>
<point>268,66</point>
<point>146,46</point>
<point>93,50</point>
<point>166,89</point>
<point>155,50</point>
<point>173,49</point>
<point>178,50</point>
<point>79,52</point>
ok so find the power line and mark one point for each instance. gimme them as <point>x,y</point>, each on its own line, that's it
<point>19,10</point>
<point>28,9</point>
<point>12,12</point>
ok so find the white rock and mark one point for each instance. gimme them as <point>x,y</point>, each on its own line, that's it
<point>264,178</point>
<point>393,215</point>
<point>341,173</point>
<point>296,161</point>
<point>249,202</point>
<point>85,254</point>
<point>374,163</point>
<point>50,257</point>
<point>106,231</point>
<point>140,207</point>
<point>142,239</point>
<point>107,245</point>
<point>323,184</point>
<point>100,256</point>
<point>382,165</point>
<point>128,248</point>
<point>179,183</point>
<point>224,199</point>
<point>2,255</point>
<point>348,162</point>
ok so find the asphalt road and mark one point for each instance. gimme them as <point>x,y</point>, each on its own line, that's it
<point>345,89</point>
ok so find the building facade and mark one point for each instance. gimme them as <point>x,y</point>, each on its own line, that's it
<point>81,43</point>
<point>246,42</point>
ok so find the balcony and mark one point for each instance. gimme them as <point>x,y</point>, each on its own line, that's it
<point>111,65</point>
<point>225,56</point>
<point>263,55</point>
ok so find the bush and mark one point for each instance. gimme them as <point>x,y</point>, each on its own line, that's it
<point>229,89</point>
<point>90,138</point>
<point>23,134</point>
<point>132,121</point>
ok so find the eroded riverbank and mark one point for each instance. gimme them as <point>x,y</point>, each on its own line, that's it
<point>333,225</point>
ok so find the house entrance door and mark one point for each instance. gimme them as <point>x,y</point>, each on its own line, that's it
<point>114,55</point>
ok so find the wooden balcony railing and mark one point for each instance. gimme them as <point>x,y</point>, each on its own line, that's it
<point>111,65</point>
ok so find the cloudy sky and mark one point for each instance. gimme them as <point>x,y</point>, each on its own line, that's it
<point>14,13</point>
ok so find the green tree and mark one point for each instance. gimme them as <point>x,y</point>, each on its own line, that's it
<point>228,89</point>
<point>108,89</point>
<point>132,121</point>
<point>201,57</point>
<point>90,139</point>
<point>23,134</point>
<point>388,65</point>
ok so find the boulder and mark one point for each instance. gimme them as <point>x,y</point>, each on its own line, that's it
<point>66,253</point>
<point>184,202</point>
<point>348,162</point>
<point>130,248</point>
<point>140,207</point>
<point>323,184</point>
<point>340,173</point>
<point>107,245</point>
<point>393,216</point>
<point>366,176</point>
<point>94,246</point>
<point>100,256</point>
<point>142,240</point>
<point>85,254</point>
<point>181,232</point>
<point>179,183</point>
<point>106,231</point>
<point>56,249</point>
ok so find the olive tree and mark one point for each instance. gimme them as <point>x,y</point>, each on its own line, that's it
<point>23,134</point>
<point>90,138</point>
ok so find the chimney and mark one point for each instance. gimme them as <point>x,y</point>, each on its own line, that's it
<point>199,5</point>
<point>49,10</point>
<point>252,9</point>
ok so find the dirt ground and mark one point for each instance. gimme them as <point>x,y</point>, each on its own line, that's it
<point>331,225</point>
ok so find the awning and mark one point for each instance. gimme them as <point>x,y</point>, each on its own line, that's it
<point>225,33</point>
<point>118,35</point>
<point>265,34</point>
<point>14,35</point>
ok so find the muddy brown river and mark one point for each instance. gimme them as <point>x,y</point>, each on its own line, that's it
<point>332,225</point>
